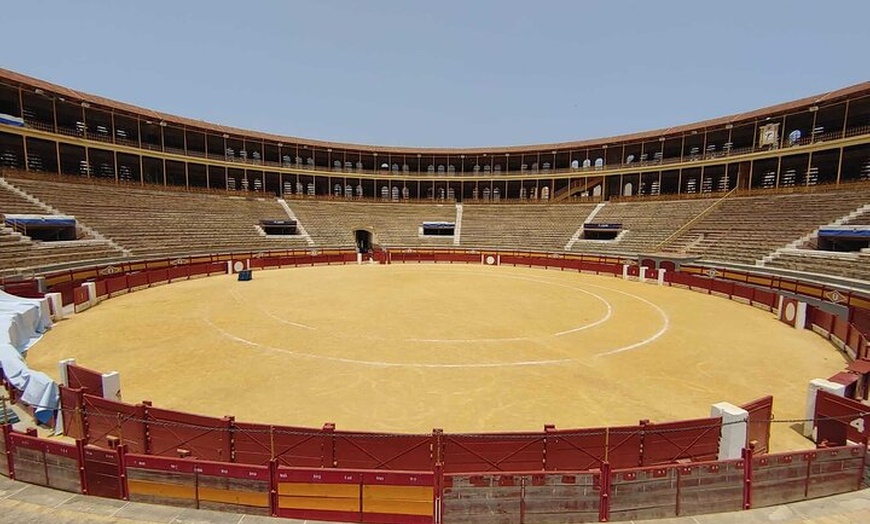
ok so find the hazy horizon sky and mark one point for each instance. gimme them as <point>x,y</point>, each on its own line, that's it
<point>446,73</point>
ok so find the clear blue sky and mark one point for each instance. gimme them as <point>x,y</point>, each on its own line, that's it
<point>442,72</point>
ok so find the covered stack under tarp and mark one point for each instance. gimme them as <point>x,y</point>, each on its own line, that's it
<point>22,322</point>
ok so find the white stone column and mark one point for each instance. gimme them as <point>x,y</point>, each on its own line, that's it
<point>661,277</point>
<point>814,386</point>
<point>112,386</point>
<point>735,426</point>
<point>91,287</point>
<point>642,273</point>
<point>62,371</point>
<point>55,302</point>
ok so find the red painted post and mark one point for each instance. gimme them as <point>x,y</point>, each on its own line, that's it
<point>122,471</point>
<point>747,475</point>
<point>438,493</point>
<point>548,430</point>
<point>809,456</point>
<point>327,446</point>
<point>146,416</point>
<point>231,436</point>
<point>7,441</point>
<point>604,495</point>
<point>643,423</point>
<point>273,487</point>
<point>80,459</point>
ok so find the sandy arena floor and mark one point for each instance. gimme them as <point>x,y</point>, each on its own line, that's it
<point>467,348</point>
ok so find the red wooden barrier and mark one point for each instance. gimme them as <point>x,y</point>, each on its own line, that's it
<point>108,420</point>
<point>378,451</point>
<point>493,452</point>
<point>289,446</point>
<point>72,410</point>
<point>172,432</point>
<point>669,442</point>
<point>83,378</point>
<point>104,473</point>
<point>137,280</point>
<point>760,417</point>
<point>840,419</point>
<point>157,276</point>
<point>116,285</point>
<point>44,462</point>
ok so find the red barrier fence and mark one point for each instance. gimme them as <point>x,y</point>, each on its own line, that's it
<point>760,417</point>
<point>149,430</point>
<point>840,420</point>
<point>79,377</point>
<point>422,497</point>
<point>670,490</point>
<point>842,333</point>
<point>618,473</point>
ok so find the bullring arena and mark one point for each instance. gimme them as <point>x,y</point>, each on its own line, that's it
<point>663,324</point>
<point>406,348</point>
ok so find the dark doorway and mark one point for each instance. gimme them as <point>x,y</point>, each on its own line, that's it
<point>363,240</point>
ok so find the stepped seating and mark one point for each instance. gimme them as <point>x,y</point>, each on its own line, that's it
<point>395,224</point>
<point>522,226</point>
<point>848,265</point>
<point>19,253</point>
<point>152,222</point>
<point>645,224</point>
<point>745,229</point>
<point>13,203</point>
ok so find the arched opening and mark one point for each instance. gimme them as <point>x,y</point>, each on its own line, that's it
<point>363,239</point>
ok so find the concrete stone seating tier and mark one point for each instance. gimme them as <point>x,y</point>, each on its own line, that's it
<point>645,224</point>
<point>746,229</point>
<point>19,253</point>
<point>13,203</point>
<point>848,265</point>
<point>862,219</point>
<point>153,222</point>
<point>394,224</point>
<point>521,226</point>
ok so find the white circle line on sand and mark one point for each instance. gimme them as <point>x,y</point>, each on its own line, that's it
<point>622,349</point>
<point>609,312</point>
<point>238,299</point>
<point>375,363</point>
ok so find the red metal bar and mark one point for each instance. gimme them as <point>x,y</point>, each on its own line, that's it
<point>604,487</point>
<point>122,471</point>
<point>80,458</point>
<point>273,487</point>
<point>7,441</point>
<point>747,476</point>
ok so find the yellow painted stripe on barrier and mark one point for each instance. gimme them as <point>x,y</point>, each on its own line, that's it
<point>244,498</point>
<point>398,507</point>
<point>318,490</point>
<point>808,291</point>
<point>320,503</point>
<point>409,493</point>
<point>156,489</point>
<point>402,500</point>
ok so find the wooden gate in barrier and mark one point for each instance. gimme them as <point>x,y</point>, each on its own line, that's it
<point>760,417</point>
<point>838,420</point>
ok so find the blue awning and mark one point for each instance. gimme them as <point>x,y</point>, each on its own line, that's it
<point>40,220</point>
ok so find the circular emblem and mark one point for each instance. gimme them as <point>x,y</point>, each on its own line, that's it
<point>790,312</point>
<point>490,260</point>
<point>238,266</point>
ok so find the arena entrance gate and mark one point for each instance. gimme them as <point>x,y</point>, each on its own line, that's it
<point>363,240</point>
